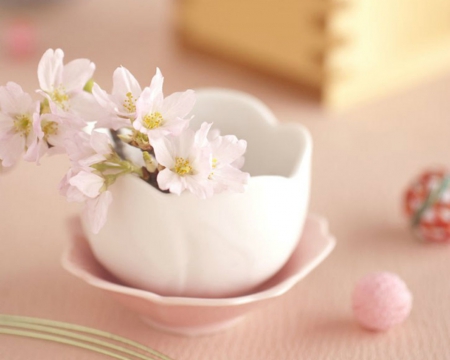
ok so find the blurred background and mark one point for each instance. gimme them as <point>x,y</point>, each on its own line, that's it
<point>331,54</point>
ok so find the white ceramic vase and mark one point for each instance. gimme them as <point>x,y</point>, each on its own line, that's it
<point>226,245</point>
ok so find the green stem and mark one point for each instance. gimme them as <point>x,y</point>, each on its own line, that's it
<point>82,329</point>
<point>60,340</point>
<point>72,335</point>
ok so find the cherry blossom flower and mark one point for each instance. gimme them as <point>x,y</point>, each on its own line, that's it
<point>63,85</point>
<point>85,152</point>
<point>120,105</point>
<point>157,116</point>
<point>85,186</point>
<point>187,163</point>
<point>227,159</point>
<point>88,183</point>
<point>85,149</point>
<point>70,192</point>
<point>157,144</point>
<point>52,133</point>
<point>95,167</point>
<point>84,182</point>
<point>17,110</point>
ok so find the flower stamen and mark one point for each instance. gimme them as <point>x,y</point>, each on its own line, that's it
<point>182,166</point>
<point>49,128</point>
<point>23,124</point>
<point>153,120</point>
<point>60,97</point>
<point>130,103</point>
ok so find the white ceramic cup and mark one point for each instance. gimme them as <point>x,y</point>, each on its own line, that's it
<point>226,245</point>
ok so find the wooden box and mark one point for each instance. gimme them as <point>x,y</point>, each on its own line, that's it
<point>347,50</point>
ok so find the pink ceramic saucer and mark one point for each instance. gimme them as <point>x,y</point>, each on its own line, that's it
<point>198,316</point>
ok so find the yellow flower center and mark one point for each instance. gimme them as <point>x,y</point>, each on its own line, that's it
<point>60,97</point>
<point>182,166</point>
<point>213,165</point>
<point>153,120</point>
<point>130,103</point>
<point>49,128</point>
<point>23,124</point>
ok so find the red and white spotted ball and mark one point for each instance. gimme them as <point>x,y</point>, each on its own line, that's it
<point>381,301</point>
<point>430,222</point>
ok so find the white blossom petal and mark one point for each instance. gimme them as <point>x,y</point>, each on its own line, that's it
<point>201,135</point>
<point>91,160</point>
<point>6,124</point>
<point>178,105</point>
<point>227,149</point>
<point>199,186</point>
<point>168,180</point>
<point>12,147</point>
<point>71,193</point>
<point>155,91</point>
<point>171,127</point>
<point>14,101</point>
<point>50,69</point>
<point>102,98</point>
<point>164,152</point>
<point>100,143</point>
<point>84,105</point>
<point>97,211</point>
<point>88,183</point>
<point>35,151</point>
<point>228,178</point>
<point>76,74</point>
<point>124,82</point>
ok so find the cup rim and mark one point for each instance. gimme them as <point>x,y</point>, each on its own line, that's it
<point>270,119</point>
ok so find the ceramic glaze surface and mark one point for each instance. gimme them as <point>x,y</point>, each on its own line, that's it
<point>200,316</point>
<point>228,244</point>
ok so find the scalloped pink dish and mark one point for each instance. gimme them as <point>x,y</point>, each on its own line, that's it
<point>199,316</point>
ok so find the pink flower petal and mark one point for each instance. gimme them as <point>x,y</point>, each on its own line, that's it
<point>100,143</point>
<point>227,149</point>
<point>201,135</point>
<point>228,178</point>
<point>89,184</point>
<point>102,97</point>
<point>76,74</point>
<point>12,147</point>
<point>13,100</point>
<point>96,211</point>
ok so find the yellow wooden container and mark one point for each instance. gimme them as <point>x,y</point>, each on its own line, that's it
<point>348,50</point>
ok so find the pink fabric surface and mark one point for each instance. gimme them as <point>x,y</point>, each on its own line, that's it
<point>362,161</point>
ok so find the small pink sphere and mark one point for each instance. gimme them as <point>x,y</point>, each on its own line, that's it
<point>381,300</point>
<point>20,37</point>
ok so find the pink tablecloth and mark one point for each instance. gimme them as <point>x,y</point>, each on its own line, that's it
<point>362,161</point>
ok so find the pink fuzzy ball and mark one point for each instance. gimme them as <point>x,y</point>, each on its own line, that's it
<point>381,300</point>
<point>20,37</point>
